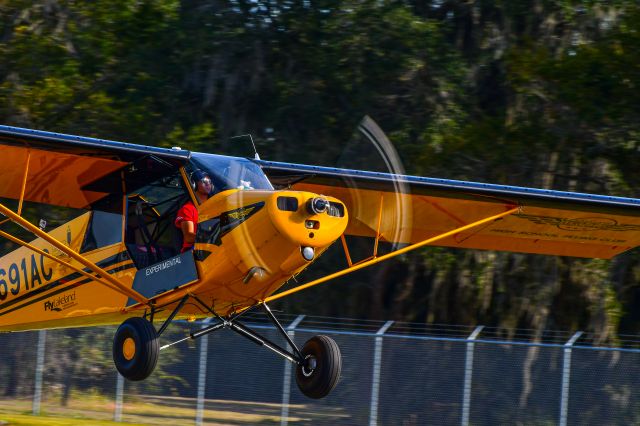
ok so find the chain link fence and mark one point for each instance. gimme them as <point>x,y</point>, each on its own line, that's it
<point>392,374</point>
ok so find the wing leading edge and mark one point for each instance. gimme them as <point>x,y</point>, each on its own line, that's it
<point>410,209</point>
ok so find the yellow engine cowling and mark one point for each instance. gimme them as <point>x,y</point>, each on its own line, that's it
<point>262,241</point>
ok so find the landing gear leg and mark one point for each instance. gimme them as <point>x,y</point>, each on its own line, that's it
<point>318,364</point>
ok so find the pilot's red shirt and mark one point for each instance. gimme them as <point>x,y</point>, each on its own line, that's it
<point>188,213</point>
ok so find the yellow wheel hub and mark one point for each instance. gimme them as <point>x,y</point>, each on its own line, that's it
<point>129,348</point>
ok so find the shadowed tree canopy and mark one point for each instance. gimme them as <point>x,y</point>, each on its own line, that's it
<point>536,93</point>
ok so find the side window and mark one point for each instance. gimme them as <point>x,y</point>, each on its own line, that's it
<point>104,229</point>
<point>46,217</point>
<point>151,235</point>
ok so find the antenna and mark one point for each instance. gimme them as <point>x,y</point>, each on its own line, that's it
<point>255,151</point>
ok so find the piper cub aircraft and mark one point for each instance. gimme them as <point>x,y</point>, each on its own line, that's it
<point>119,261</point>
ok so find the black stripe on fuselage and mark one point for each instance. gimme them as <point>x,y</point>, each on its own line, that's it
<point>63,289</point>
<point>105,263</point>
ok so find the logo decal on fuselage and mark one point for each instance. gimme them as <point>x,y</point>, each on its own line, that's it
<point>61,303</point>
<point>240,214</point>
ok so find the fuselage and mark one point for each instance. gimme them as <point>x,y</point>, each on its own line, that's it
<point>251,239</point>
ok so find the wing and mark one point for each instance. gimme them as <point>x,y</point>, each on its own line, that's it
<point>75,171</point>
<point>410,209</point>
<point>78,172</point>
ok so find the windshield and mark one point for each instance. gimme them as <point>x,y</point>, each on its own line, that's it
<point>231,172</point>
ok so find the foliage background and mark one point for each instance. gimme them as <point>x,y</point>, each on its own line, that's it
<point>538,93</point>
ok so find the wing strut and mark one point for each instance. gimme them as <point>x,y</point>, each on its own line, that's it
<point>24,182</point>
<point>375,244</point>
<point>114,283</point>
<point>375,260</point>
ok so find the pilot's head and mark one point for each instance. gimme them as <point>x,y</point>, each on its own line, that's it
<point>201,182</point>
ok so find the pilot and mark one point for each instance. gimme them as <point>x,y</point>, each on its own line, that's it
<point>187,216</point>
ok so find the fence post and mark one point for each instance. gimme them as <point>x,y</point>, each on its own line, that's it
<point>566,370</point>
<point>375,381</point>
<point>117,413</point>
<point>202,374</point>
<point>468,376</point>
<point>37,393</point>
<point>286,384</point>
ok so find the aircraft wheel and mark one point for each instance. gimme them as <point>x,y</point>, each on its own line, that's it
<point>321,370</point>
<point>135,348</point>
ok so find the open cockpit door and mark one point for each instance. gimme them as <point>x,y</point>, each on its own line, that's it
<point>152,239</point>
<point>151,235</point>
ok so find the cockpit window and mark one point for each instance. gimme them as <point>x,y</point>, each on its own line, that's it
<point>231,172</point>
<point>151,235</point>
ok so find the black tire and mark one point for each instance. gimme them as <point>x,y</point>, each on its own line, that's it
<point>135,349</point>
<point>316,381</point>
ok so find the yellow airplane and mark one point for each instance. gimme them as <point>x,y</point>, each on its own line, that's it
<point>120,260</point>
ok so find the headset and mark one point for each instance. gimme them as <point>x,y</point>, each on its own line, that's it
<point>196,176</point>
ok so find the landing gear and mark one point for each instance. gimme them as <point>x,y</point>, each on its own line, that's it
<point>318,374</point>
<point>318,364</point>
<point>135,349</point>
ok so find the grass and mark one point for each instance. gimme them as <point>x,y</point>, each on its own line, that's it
<point>91,408</point>
<point>30,420</point>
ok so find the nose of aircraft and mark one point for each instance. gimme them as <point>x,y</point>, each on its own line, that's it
<point>307,219</point>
